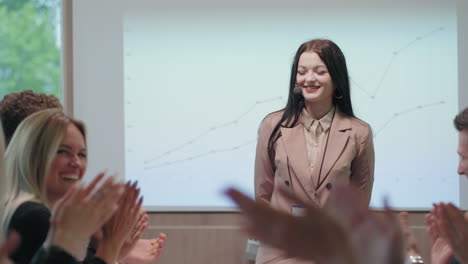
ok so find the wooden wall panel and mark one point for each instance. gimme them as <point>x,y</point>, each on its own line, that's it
<point>205,238</point>
<point>200,238</point>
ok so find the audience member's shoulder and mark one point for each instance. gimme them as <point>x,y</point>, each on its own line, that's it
<point>31,206</point>
<point>30,217</point>
<point>31,212</point>
<point>31,221</point>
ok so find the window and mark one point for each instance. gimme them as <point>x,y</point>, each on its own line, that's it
<point>30,46</point>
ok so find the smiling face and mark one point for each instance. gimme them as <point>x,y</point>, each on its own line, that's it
<point>315,81</point>
<point>69,164</point>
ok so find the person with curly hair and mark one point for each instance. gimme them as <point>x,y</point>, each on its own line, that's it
<point>15,107</point>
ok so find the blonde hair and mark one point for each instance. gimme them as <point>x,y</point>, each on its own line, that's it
<point>29,155</point>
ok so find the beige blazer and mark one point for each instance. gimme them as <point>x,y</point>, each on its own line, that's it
<point>349,158</point>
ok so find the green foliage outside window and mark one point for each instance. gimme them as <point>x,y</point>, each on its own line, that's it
<point>30,47</point>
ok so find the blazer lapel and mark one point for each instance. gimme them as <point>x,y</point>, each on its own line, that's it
<point>294,144</point>
<point>338,138</point>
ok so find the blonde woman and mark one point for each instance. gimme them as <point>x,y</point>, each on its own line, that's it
<point>45,159</point>
<point>34,152</point>
<point>80,205</point>
<point>15,107</point>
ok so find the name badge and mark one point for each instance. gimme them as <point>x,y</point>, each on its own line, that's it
<point>298,210</point>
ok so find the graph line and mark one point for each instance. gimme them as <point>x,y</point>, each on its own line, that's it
<point>201,155</point>
<point>404,112</point>
<point>395,54</point>
<point>213,129</point>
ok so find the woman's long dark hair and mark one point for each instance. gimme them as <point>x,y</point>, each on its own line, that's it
<point>335,61</point>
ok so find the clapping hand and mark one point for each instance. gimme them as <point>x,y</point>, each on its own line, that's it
<point>147,251</point>
<point>137,231</point>
<point>315,236</point>
<point>453,228</point>
<point>346,225</point>
<point>441,253</point>
<point>376,238</point>
<point>81,212</point>
<point>118,229</point>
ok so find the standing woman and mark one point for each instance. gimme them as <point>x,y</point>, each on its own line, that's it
<point>315,141</point>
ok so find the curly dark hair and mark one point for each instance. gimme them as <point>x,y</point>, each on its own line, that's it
<point>461,120</point>
<point>15,107</point>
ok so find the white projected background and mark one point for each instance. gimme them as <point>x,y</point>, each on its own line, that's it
<point>197,84</point>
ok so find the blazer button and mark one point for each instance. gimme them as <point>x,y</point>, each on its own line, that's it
<point>287,183</point>
<point>329,186</point>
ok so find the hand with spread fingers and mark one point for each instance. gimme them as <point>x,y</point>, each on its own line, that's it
<point>441,252</point>
<point>119,228</point>
<point>91,205</point>
<point>316,236</point>
<point>146,251</point>
<point>345,225</point>
<point>141,225</point>
<point>453,228</point>
<point>376,238</point>
<point>135,235</point>
<point>8,246</point>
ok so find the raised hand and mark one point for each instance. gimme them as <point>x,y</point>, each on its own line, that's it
<point>146,251</point>
<point>316,236</point>
<point>137,231</point>
<point>453,228</point>
<point>118,229</point>
<point>346,225</point>
<point>141,225</point>
<point>441,253</point>
<point>376,238</point>
<point>90,205</point>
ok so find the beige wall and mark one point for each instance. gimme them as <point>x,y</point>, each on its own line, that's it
<point>205,238</point>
